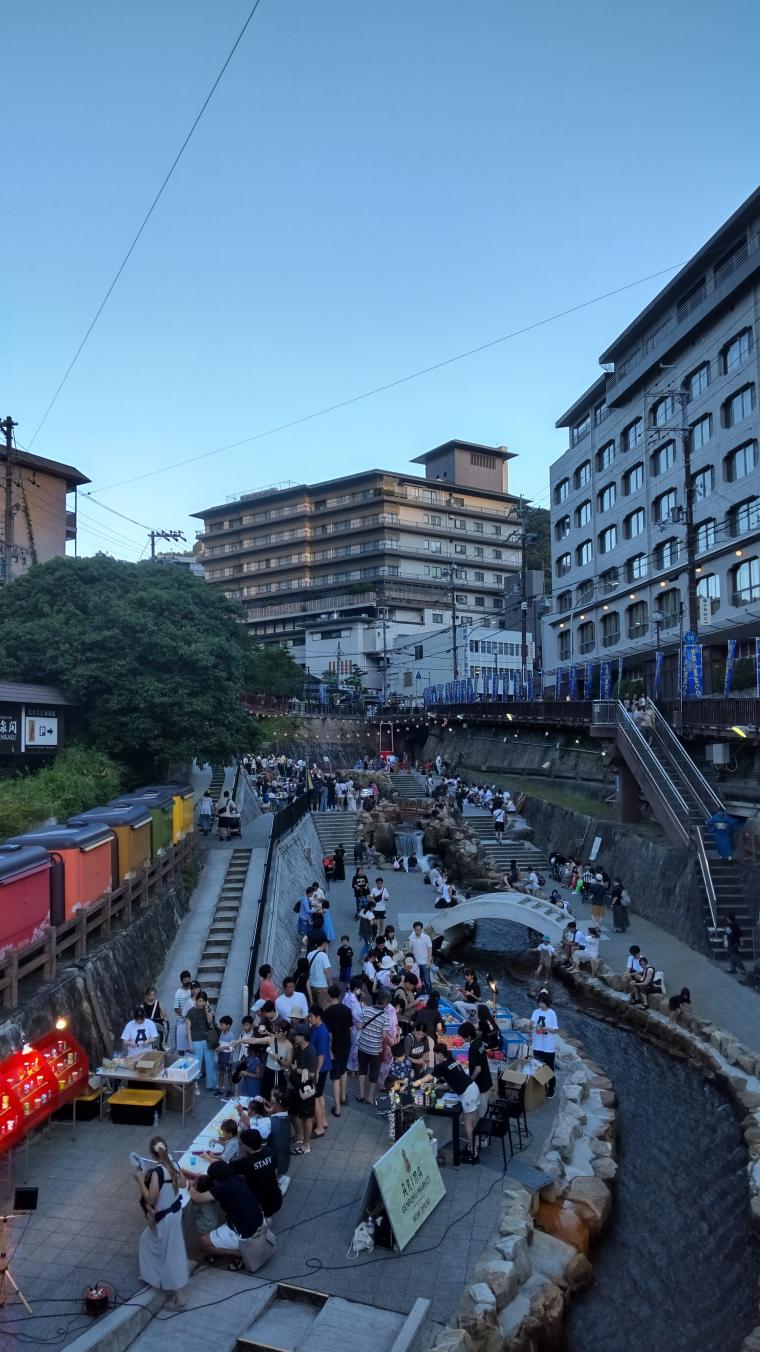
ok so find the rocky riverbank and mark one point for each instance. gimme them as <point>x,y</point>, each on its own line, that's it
<point>539,1254</point>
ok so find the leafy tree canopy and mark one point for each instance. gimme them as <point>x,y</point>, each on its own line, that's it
<point>152,658</point>
<point>272,670</point>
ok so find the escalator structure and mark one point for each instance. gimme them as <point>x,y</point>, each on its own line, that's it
<point>682,800</point>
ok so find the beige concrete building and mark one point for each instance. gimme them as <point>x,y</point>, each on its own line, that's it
<point>43,494</point>
<point>322,566</point>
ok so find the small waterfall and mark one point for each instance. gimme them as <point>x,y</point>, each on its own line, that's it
<point>410,843</point>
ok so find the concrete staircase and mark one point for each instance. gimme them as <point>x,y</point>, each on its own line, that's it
<point>501,854</point>
<point>336,828</point>
<point>216,949</point>
<point>217,781</point>
<point>408,785</point>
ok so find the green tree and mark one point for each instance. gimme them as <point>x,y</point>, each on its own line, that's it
<point>152,659</point>
<point>271,670</point>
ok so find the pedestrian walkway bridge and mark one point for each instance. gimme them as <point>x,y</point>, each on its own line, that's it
<point>517,907</point>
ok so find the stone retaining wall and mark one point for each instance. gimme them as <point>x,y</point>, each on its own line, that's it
<point>297,862</point>
<point>539,1254</point>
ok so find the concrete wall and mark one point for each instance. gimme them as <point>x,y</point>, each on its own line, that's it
<point>297,862</point>
<point>663,882</point>
<point>496,752</point>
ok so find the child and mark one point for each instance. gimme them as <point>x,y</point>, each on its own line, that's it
<point>224,1057</point>
<point>345,959</point>
<point>228,1140</point>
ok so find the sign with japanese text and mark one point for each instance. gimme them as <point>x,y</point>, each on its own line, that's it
<point>40,728</point>
<point>410,1182</point>
<point>10,727</point>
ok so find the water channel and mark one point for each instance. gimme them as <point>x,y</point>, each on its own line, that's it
<point>677,1270</point>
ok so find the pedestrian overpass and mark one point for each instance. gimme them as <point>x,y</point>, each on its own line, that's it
<point>519,908</point>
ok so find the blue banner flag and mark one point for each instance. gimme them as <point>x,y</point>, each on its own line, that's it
<point>757,667</point>
<point>605,679</point>
<point>588,676</point>
<point>572,682</point>
<point>518,685</point>
<point>691,667</point>
<point>558,683</point>
<point>728,682</point>
<point>619,674</point>
<point>529,685</point>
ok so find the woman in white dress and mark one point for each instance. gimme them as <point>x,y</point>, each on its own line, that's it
<point>162,1253</point>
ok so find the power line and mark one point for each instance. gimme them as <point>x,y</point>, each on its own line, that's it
<point>145,220</point>
<point>389,385</point>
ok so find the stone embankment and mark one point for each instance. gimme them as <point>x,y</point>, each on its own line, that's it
<point>539,1255</point>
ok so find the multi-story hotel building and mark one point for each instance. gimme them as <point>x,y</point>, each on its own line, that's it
<point>683,377</point>
<point>337,569</point>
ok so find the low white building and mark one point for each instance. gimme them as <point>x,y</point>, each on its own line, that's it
<point>485,654</point>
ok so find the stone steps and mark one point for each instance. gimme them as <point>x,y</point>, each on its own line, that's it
<point>216,948</point>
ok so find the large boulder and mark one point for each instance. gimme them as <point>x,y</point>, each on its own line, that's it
<point>592,1200</point>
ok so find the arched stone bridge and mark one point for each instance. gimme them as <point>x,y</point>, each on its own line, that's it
<point>518,907</point>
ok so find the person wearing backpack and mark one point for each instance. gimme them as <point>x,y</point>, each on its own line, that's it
<point>620,901</point>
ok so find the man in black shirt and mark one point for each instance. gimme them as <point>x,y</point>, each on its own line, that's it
<point>338,1021</point>
<point>243,1215</point>
<point>428,1015</point>
<point>448,1069</point>
<point>256,1165</point>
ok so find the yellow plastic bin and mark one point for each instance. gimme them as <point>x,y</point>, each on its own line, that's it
<point>131,824</point>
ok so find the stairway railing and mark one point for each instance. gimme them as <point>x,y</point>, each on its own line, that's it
<point>707,878</point>
<point>703,792</point>
<point>655,776</point>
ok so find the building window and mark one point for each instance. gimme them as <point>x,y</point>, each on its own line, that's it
<point>479,577</point>
<point>564,601</point>
<point>737,351</point>
<point>431,519</point>
<point>610,629</point>
<point>582,474</point>
<point>706,534</point>
<point>564,647</point>
<point>663,458</point>
<point>563,565</point>
<point>708,588</point>
<point>636,568</point>
<point>600,413</point>
<point>562,490</point>
<point>437,617</point>
<point>703,483</point>
<point>474,645</point>
<point>746,582</point>
<point>586,637</point>
<point>637,619</point>
<point>634,524</point>
<point>606,497</point>
<point>497,530</point>
<point>583,554</point>
<point>460,523</point>
<point>584,594</point>
<point>478,527</point>
<point>669,606</point>
<point>609,580</point>
<point>741,462</point>
<point>701,431</point>
<point>478,552</point>
<point>744,518</point>
<point>418,652</point>
<point>461,600</point>
<point>738,407</point>
<point>608,540</point>
<point>580,430</point>
<point>605,456</point>
<point>697,381</point>
<point>497,553</point>
<point>407,678</point>
<point>664,505</point>
<point>435,546</point>
<point>634,479</point>
<point>663,410</point>
<point>633,434</point>
<point>460,549</point>
<point>666,554</point>
<point>460,573</point>
<point>482,461</point>
<point>583,513</point>
<point>480,600</point>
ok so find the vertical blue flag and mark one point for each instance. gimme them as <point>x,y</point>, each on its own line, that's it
<point>529,684</point>
<point>691,667</point>
<point>730,660</point>
<point>572,682</point>
<point>588,675</point>
<point>658,672</point>
<point>619,674</point>
<point>757,667</point>
<point>558,683</point>
<point>518,685</point>
<point>605,679</point>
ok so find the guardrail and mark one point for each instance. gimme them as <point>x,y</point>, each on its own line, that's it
<point>672,804</point>
<point>282,822</point>
<point>709,886</point>
<point>74,939</point>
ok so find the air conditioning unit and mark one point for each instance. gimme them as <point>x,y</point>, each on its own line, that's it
<point>718,753</point>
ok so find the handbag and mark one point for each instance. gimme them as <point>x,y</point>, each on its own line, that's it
<point>257,1250</point>
<point>212,1036</point>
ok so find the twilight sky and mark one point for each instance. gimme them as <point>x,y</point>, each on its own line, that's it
<point>374,187</point>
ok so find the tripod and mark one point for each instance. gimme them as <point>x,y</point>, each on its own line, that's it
<point>6,1276</point>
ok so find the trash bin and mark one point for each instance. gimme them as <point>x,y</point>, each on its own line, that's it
<point>161,809</point>
<point>87,853</point>
<point>132,825</point>
<point>24,894</point>
<point>184,805</point>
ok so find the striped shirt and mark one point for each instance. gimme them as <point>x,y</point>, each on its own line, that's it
<point>371,1031</point>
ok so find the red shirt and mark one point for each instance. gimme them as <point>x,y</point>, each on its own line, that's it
<point>268,990</point>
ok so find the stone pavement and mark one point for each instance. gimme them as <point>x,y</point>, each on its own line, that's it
<point>89,1221</point>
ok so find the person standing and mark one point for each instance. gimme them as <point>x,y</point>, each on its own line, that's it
<point>498,823</point>
<point>320,973</point>
<point>477,1063</point>
<point>339,874</point>
<point>422,951</point>
<point>380,897</point>
<point>619,904</point>
<point>546,951</point>
<point>319,1039</point>
<point>360,886</point>
<point>162,1255</point>
<point>544,1024</point>
<point>291,1006</point>
<point>203,1036</point>
<point>157,1015</point>
<point>733,942</point>
<point>370,1047</point>
<point>338,1020</point>
<point>206,813</point>
<point>183,999</point>
<point>303,1078</point>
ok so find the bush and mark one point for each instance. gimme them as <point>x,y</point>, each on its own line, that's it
<point>76,780</point>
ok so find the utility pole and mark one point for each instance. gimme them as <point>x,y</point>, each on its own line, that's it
<point>691,539</point>
<point>384,617</point>
<point>154,535</point>
<point>7,426</point>
<point>523,592</point>
<point>454,622</point>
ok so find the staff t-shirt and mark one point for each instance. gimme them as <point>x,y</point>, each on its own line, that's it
<point>258,1170</point>
<point>544,1024</point>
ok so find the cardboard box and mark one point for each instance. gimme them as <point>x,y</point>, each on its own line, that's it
<point>150,1065</point>
<point>534,1075</point>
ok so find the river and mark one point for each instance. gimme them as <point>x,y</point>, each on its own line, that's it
<point>677,1270</point>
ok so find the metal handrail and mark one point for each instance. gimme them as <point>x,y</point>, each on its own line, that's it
<point>685,762</point>
<point>656,772</point>
<point>709,886</point>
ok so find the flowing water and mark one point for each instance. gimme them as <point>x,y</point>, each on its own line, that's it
<point>677,1269</point>
<point>410,843</point>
